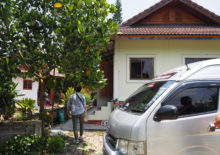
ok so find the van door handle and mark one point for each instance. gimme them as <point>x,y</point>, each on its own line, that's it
<point>211,127</point>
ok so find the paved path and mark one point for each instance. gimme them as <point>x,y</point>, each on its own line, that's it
<point>67,126</point>
<point>93,139</point>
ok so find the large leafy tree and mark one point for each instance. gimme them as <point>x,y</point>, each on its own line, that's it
<point>117,17</point>
<point>87,31</point>
<point>68,35</point>
<point>39,47</point>
<point>8,67</point>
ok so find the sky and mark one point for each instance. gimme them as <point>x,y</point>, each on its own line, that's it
<point>131,8</point>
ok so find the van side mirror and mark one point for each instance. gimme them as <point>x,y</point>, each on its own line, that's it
<point>167,112</point>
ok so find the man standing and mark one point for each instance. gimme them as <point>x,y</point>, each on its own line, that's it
<point>76,105</point>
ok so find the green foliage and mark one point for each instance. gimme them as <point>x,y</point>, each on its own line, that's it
<point>67,95</point>
<point>30,144</point>
<point>88,97</point>
<point>48,118</point>
<point>56,144</point>
<point>87,31</point>
<point>39,37</point>
<point>117,17</point>
<point>8,64</point>
<point>19,116</point>
<point>26,106</point>
<point>7,97</point>
<point>39,47</point>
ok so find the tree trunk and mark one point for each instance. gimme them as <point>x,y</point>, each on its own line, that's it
<point>42,89</point>
<point>52,103</point>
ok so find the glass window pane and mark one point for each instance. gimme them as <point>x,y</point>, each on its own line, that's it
<point>195,100</point>
<point>27,84</point>
<point>147,68</point>
<point>144,97</point>
<point>191,60</point>
<point>141,68</point>
<point>135,68</point>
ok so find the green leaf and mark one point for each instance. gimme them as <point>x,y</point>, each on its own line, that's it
<point>80,28</point>
<point>7,60</point>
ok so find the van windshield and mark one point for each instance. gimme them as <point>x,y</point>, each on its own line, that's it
<point>145,96</point>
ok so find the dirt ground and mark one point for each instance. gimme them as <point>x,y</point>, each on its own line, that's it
<point>91,144</point>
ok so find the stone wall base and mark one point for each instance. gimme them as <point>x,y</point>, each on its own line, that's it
<point>9,129</point>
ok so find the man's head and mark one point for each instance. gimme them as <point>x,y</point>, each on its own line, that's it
<point>78,89</point>
<point>186,101</point>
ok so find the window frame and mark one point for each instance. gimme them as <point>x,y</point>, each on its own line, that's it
<point>199,56</point>
<point>129,57</point>
<point>27,83</point>
<point>194,84</point>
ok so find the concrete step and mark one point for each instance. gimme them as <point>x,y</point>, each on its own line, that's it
<point>102,114</point>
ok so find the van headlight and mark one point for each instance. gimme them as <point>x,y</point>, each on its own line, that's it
<point>130,147</point>
<point>122,146</point>
<point>135,148</point>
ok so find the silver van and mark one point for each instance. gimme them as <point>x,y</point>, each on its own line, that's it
<point>170,115</point>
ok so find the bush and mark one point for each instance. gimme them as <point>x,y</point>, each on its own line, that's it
<point>88,98</point>
<point>29,144</point>
<point>7,98</point>
<point>65,98</point>
<point>48,118</point>
<point>70,91</point>
<point>19,116</point>
<point>26,106</point>
<point>87,95</point>
<point>56,144</point>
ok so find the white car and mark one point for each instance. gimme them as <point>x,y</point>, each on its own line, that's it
<point>170,115</point>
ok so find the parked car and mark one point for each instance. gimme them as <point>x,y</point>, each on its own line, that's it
<point>172,114</point>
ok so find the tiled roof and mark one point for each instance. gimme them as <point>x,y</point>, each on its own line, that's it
<point>163,3</point>
<point>170,30</point>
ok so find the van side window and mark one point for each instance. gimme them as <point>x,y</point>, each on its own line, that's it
<point>194,101</point>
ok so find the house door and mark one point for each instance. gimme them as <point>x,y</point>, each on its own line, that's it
<point>197,104</point>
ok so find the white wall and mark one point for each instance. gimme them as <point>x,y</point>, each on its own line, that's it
<point>26,93</point>
<point>167,55</point>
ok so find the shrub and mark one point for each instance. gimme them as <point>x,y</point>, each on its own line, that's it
<point>87,95</point>
<point>48,118</point>
<point>29,144</point>
<point>66,97</point>
<point>26,106</point>
<point>56,144</point>
<point>7,97</point>
<point>70,91</point>
<point>19,116</point>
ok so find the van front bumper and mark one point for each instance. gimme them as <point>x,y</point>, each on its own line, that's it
<point>108,149</point>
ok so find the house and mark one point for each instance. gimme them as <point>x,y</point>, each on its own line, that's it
<point>28,87</point>
<point>169,34</point>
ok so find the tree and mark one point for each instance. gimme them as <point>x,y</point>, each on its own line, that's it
<point>7,89</point>
<point>87,31</point>
<point>38,46</point>
<point>117,17</point>
<point>69,36</point>
<point>8,67</point>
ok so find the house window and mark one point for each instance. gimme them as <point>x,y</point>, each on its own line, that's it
<point>191,60</point>
<point>141,68</point>
<point>27,84</point>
